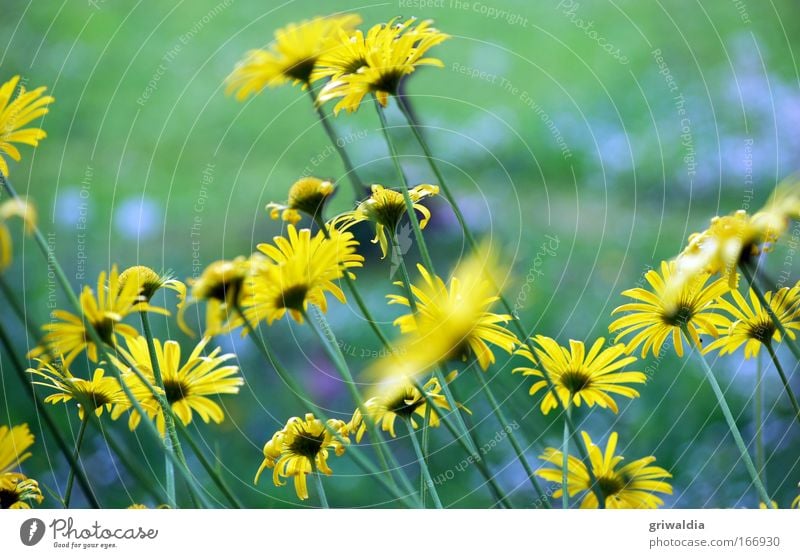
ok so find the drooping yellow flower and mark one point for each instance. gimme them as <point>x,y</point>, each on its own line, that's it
<point>796,501</point>
<point>14,207</point>
<point>308,195</point>
<point>220,286</point>
<point>658,312</point>
<point>14,114</point>
<point>98,394</point>
<point>292,56</point>
<point>456,320</point>
<point>149,282</point>
<point>390,52</point>
<point>188,387</point>
<point>67,334</point>
<point>752,326</point>
<point>630,486</point>
<point>302,269</point>
<point>17,492</point>
<point>400,400</point>
<point>385,208</point>
<point>580,376</point>
<point>301,447</point>
<point>13,443</point>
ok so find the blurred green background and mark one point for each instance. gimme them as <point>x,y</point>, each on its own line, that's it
<point>607,130</point>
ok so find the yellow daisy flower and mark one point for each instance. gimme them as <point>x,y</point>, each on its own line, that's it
<point>149,282</point>
<point>456,320</point>
<point>796,501</point>
<point>630,486</point>
<point>400,400</point>
<point>188,387</point>
<point>390,51</point>
<point>18,492</point>
<point>13,443</point>
<point>658,312</point>
<point>301,447</point>
<point>385,208</point>
<point>581,376</point>
<point>220,286</point>
<point>291,58</point>
<point>302,269</point>
<point>308,195</point>
<point>98,394</point>
<point>67,334</point>
<point>27,106</point>
<point>752,326</point>
<point>14,207</point>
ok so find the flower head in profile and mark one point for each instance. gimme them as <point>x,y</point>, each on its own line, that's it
<point>149,282</point>
<point>18,107</point>
<point>385,207</point>
<point>658,312</point>
<point>99,394</point>
<point>14,207</point>
<point>188,386</point>
<point>16,490</point>
<point>377,62</point>
<point>632,486</point>
<point>401,399</point>
<point>302,269</point>
<point>751,325</point>
<point>291,57</point>
<point>300,448</point>
<point>102,310</point>
<point>220,287</point>
<point>455,321</point>
<point>580,376</point>
<point>308,195</point>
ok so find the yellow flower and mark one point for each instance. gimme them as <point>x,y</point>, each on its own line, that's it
<point>13,443</point>
<point>148,282</point>
<point>400,400</point>
<point>308,195</point>
<point>27,106</point>
<point>14,207</point>
<point>385,208</point>
<point>630,486</point>
<point>67,334</point>
<point>18,491</point>
<point>300,447</point>
<point>753,327</point>
<point>390,52</point>
<point>455,321</point>
<point>98,394</point>
<point>796,501</point>
<point>220,286</point>
<point>579,375</point>
<point>773,505</point>
<point>785,200</point>
<point>302,269</point>
<point>188,387</point>
<point>659,312</point>
<point>291,58</point>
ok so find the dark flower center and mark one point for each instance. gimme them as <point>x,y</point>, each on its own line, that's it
<point>388,81</point>
<point>354,65</point>
<point>611,485</point>
<point>293,297</point>
<point>399,406</point>
<point>8,498</point>
<point>301,70</point>
<point>575,380</point>
<point>225,289</point>
<point>679,317</point>
<point>762,332</point>
<point>307,445</point>
<point>105,329</point>
<point>175,390</point>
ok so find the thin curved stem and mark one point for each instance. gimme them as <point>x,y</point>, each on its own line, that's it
<point>215,476</point>
<point>784,379</point>
<point>729,419</point>
<point>76,456</point>
<point>759,419</point>
<point>323,499</point>
<point>785,338</point>
<point>423,466</point>
<point>565,463</point>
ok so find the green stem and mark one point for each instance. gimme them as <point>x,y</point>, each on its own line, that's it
<point>297,391</point>
<point>41,411</point>
<point>746,271</point>
<point>565,463</point>
<point>30,325</point>
<point>512,437</point>
<point>358,188</point>
<point>726,411</point>
<point>328,340</point>
<point>426,474</point>
<point>759,419</point>
<point>404,276</point>
<point>76,455</point>
<point>423,486</point>
<point>784,379</point>
<point>213,473</point>
<point>96,340</point>
<point>323,500</point>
